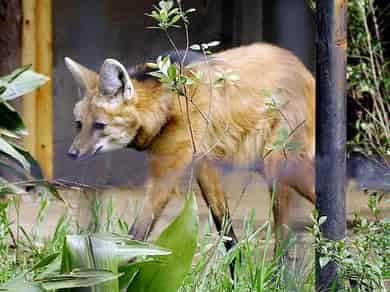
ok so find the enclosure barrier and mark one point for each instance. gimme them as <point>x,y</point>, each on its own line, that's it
<point>331,129</point>
<point>37,106</point>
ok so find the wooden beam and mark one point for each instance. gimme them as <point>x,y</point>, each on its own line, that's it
<point>28,57</point>
<point>44,120</point>
<point>37,106</point>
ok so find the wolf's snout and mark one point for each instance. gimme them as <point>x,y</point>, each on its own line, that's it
<point>73,153</point>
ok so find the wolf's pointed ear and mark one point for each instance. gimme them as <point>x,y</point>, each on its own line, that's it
<point>113,78</point>
<point>85,78</point>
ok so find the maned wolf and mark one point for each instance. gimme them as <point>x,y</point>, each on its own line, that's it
<point>237,120</point>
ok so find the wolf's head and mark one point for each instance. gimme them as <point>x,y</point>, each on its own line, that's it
<point>105,116</point>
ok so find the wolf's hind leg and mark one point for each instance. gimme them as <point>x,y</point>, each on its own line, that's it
<point>208,178</point>
<point>281,194</point>
<point>295,173</point>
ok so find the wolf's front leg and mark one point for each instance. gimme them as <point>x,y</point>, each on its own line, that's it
<point>166,171</point>
<point>157,196</point>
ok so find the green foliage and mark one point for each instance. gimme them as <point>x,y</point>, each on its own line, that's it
<point>19,82</point>
<point>104,261</point>
<point>180,237</point>
<point>87,260</point>
<point>284,141</point>
<point>256,266</point>
<point>364,258</point>
<point>168,16</point>
<point>368,76</point>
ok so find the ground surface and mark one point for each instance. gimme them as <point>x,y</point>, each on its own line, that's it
<point>79,204</point>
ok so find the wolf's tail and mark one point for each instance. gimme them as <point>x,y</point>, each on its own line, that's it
<point>372,173</point>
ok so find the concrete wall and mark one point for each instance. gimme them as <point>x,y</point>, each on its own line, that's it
<point>90,31</point>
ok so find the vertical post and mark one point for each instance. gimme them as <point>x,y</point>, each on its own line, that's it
<point>37,106</point>
<point>29,57</point>
<point>331,129</point>
<point>44,119</point>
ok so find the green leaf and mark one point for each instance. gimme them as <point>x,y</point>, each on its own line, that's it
<point>165,64</point>
<point>35,168</point>
<point>166,5</point>
<point>104,251</point>
<point>190,10</point>
<point>24,83</point>
<point>156,74</point>
<point>214,43</point>
<point>324,261</point>
<point>151,65</point>
<point>195,47</point>
<point>45,261</point>
<point>11,120</point>
<point>8,134</point>
<point>20,283</point>
<point>46,187</point>
<point>7,188</point>
<point>4,165</point>
<point>293,145</point>
<point>282,134</point>
<point>172,72</point>
<point>105,256</point>
<point>180,237</point>
<point>127,249</point>
<point>322,220</point>
<point>78,278</point>
<point>174,19</point>
<point>15,74</point>
<point>10,151</point>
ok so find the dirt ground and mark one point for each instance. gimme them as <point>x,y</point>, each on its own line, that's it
<point>255,196</point>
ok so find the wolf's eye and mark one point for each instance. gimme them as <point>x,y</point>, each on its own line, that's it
<point>99,126</point>
<point>79,125</point>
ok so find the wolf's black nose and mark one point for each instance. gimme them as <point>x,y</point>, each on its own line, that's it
<point>73,153</point>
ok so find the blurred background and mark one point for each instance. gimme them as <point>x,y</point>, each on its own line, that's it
<point>90,31</point>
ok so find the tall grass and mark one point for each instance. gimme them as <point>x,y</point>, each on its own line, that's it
<point>258,266</point>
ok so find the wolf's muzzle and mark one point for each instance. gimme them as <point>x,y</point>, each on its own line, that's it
<point>73,153</point>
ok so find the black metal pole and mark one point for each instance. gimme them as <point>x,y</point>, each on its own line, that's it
<point>331,129</point>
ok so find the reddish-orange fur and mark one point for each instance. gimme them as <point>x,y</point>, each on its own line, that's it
<point>240,127</point>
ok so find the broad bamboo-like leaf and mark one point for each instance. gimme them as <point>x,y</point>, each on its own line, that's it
<point>127,249</point>
<point>8,134</point>
<point>105,251</point>
<point>15,74</point>
<point>180,237</point>
<point>20,173</point>
<point>20,83</point>
<point>10,151</point>
<point>105,257</point>
<point>9,188</point>
<point>45,261</point>
<point>35,168</point>
<point>11,120</point>
<point>21,283</point>
<point>76,253</point>
<point>78,278</point>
